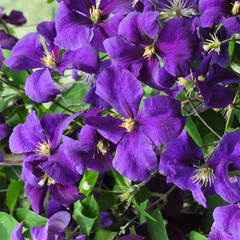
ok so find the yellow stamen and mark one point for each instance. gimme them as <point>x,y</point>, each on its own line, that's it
<point>49,60</point>
<point>44,148</point>
<point>129,124</point>
<point>236,8</point>
<point>49,180</point>
<point>102,147</point>
<point>149,51</point>
<point>95,14</point>
<point>205,174</point>
<point>212,45</point>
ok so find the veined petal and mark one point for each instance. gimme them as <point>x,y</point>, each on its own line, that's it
<point>40,87</point>
<point>121,89</point>
<point>26,136</point>
<point>135,158</point>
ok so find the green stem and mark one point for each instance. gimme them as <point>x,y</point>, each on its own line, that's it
<point>4,25</point>
<point>60,105</point>
<point>229,40</point>
<point>203,121</point>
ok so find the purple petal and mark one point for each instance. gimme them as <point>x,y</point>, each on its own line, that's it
<point>4,128</point>
<point>217,234</point>
<point>16,18</point>
<point>7,41</point>
<point>135,158</point>
<point>26,136</point>
<point>64,194</point>
<point>17,232</point>
<point>26,54</point>
<point>85,59</point>
<point>40,87</point>
<point>106,219</point>
<point>70,26</point>
<point>36,196</point>
<point>54,124</point>
<point>123,91</point>
<point>160,119</point>
<point>232,24</point>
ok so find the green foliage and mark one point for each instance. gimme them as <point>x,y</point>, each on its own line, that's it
<point>7,224</point>
<point>156,229</point>
<point>13,192</point>
<point>196,236</point>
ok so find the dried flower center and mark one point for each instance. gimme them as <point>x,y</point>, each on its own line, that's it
<point>149,51</point>
<point>49,60</point>
<point>49,180</point>
<point>43,148</point>
<point>175,8</point>
<point>129,124</point>
<point>102,147</point>
<point>95,14</point>
<point>205,174</point>
<point>236,8</point>
<point>212,45</point>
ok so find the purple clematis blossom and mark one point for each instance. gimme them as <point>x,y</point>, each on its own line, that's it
<point>45,166</point>
<point>54,229</point>
<point>88,22</point>
<point>135,48</point>
<point>29,53</point>
<point>159,121</point>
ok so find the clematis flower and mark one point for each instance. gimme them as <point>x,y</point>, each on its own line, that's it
<point>29,54</point>
<point>88,22</point>
<point>159,121</point>
<point>54,229</point>
<point>135,48</point>
<point>45,166</point>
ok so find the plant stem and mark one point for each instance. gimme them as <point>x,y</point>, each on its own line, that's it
<point>60,105</point>
<point>203,121</point>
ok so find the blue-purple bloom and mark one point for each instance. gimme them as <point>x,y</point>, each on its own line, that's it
<point>159,121</point>
<point>15,18</point>
<point>29,53</point>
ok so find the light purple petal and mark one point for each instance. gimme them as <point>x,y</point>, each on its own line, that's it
<point>120,89</point>
<point>26,136</point>
<point>135,158</point>
<point>40,87</point>
<point>17,232</point>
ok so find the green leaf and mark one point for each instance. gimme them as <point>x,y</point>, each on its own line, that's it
<point>142,195</point>
<point>50,1</point>
<point>7,224</point>
<point>142,211</point>
<point>4,102</point>
<point>6,53</point>
<point>104,234</point>
<point>133,230</point>
<point>193,132</point>
<point>213,201</point>
<point>121,181</point>
<point>156,229</point>
<point>90,177</point>
<point>196,236</point>
<point>13,192</point>
<point>86,213</point>
<point>30,218</point>
<point>106,201</point>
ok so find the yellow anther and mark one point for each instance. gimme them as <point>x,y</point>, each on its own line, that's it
<point>129,124</point>
<point>43,148</point>
<point>49,60</point>
<point>149,51</point>
<point>236,8</point>
<point>95,14</point>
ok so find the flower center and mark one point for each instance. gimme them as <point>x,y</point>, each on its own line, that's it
<point>95,14</point>
<point>175,8</point>
<point>236,8</point>
<point>205,174</point>
<point>49,60</point>
<point>149,51</point>
<point>49,180</point>
<point>102,147</point>
<point>212,45</point>
<point>43,148</point>
<point>129,124</point>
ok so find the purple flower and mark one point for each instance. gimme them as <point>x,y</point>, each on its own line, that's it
<point>88,22</point>
<point>54,229</point>
<point>159,121</point>
<point>29,53</point>
<point>45,165</point>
